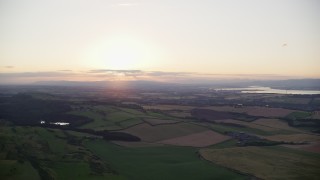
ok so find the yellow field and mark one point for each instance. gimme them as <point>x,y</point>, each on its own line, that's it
<point>294,138</point>
<point>267,162</point>
<point>275,123</point>
<point>248,124</point>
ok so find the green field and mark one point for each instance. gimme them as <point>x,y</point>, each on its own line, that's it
<point>166,162</point>
<point>267,162</point>
<point>115,118</point>
<point>298,115</point>
<point>34,153</point>
<point>12,169</point>
<point>31,152</point>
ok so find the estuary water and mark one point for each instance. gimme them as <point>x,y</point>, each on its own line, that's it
<point>260,89</point>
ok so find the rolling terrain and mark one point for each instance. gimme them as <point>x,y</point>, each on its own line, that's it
<point>79,134</point>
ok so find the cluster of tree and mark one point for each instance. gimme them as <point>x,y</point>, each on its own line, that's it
<point>23,109</point>
<point>107,135</point>
<point>133,106</point>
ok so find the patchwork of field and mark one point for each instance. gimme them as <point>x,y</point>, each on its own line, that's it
<point>202,139</point>
<point>158,163</point>
<point>311,147</point>
<point>289,100</point>
<point>179,114</point>
<point>310,142</point>
<point>12,169</point>
<point>150,133</point>
<point>225,127</point>
<point>276,123</point>
<point>136,144</point>
<point>267,162</point>
<point>159,121</point>
<point>246,124</point>
<point>169,107</point>
<point>294,137</point>
<point>254,110</point>
<point>272,126</point>
<point>117,118</point>
<point>316,115</point>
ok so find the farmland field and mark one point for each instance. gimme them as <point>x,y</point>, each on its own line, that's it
<point>177,136</point>
<point>267,162</point>
<point>201,139</point>
<point>37,153</point>
<point>254,111</point>
<point>159,121</point>
<point>150,133</point>
<point>159,162</point>
<point>169,107</point>
<point>276,123</point>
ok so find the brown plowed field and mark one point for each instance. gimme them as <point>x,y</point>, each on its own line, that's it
<point>150,133</point>
<point>211,115</point>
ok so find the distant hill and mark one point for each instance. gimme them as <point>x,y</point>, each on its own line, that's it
<point>109,84</point>
<point>302,84</point>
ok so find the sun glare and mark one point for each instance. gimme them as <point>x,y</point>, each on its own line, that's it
<point>122,52</point>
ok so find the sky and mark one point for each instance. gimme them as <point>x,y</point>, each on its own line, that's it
<point>158,39</point>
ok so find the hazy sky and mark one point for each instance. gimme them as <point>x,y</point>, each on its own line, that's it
<point>272,37</point>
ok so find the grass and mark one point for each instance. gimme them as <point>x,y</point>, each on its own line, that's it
<point>98,119</point>
<point>222,129</point>
<point>106,108</point>
<point>130,122</point>
<point>119,116</point>
<point>294,137</point>
<point>12,169</point>
<point>115,118</point>
<point>225,144</point>
<point>158,162</point>
<point>169,107</point>
<point>34,153</point>
<point>132,111</point>
<point>83,171</point>
<point>298,115</point>
<point>267,162</point>
<point>277,124</point>
<point>160,116</point>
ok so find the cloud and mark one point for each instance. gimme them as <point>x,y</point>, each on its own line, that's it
<point>162,73</point>
<point>126,4</point>
<point>113,71</point>
<point>35,74</point>
<point>113,75</point>
<point>137,73</point>
<point>8,67</point>
<point>65,70</point>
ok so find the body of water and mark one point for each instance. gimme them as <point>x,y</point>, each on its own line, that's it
<point>259,89</point>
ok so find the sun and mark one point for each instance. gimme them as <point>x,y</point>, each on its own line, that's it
<point>122,52</point>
